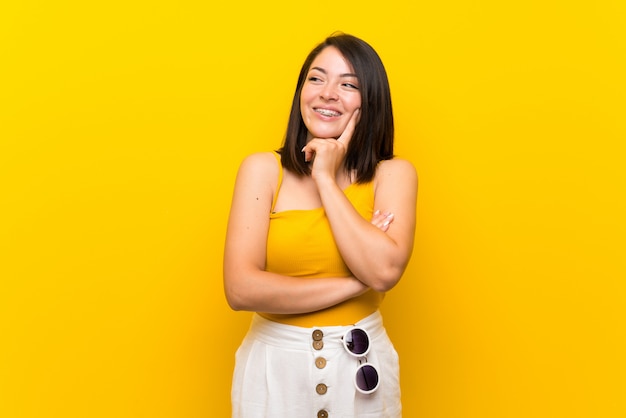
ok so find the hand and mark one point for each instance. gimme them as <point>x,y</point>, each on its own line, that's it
<point>382,220</point>
<point>328,154</point>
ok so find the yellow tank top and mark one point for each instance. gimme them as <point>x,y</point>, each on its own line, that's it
<point>300,243</point>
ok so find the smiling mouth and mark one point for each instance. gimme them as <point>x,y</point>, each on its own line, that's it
<point>327,112</point>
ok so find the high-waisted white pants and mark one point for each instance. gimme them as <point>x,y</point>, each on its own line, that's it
<point>280,374</point>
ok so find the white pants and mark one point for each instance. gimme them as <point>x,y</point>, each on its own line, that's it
<point>280,374</point>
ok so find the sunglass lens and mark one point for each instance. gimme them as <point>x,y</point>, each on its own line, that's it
<point>357,341</point>
<point>367,378</point>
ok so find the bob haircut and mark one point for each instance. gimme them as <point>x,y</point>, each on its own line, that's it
<point>372,140</point>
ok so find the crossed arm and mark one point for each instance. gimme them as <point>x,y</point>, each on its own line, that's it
<point>377,257</point>
<point>376,251</point>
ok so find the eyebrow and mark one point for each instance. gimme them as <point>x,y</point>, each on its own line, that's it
<point>340,75</point>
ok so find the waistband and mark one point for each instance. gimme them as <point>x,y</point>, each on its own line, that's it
<point>299,338</point>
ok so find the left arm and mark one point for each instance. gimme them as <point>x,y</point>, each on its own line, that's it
<point>376,257</point>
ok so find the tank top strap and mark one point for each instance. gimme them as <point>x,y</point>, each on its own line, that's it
<point>280,179</point>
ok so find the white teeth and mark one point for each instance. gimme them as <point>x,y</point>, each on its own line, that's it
<point>327,112</point>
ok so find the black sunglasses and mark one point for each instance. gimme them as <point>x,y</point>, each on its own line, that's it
<point>356,341</point>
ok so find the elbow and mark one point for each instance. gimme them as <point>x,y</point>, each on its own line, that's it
<point>235,299</point>
<point>382,286</point>
<point>240,290</point>
<point>234,303</point>
<point>237,302</point>
<point>386,279</point>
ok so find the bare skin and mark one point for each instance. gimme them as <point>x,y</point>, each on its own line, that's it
<point>376,251</point>
<point>376,257</point>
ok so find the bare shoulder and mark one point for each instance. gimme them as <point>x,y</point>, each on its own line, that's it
<point>256,183</point>
<point>262,165</point>
<point>261,161</point>
<point>396,169</point>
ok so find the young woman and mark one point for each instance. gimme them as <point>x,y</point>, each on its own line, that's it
<point>318,232</point>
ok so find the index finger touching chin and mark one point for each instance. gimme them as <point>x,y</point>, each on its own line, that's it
<point>349,129</point>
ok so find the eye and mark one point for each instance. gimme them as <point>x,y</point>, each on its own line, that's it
<point>351,86</point>
<point>314,79</point>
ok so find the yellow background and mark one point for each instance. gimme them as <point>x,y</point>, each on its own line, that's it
<point>122,124</point>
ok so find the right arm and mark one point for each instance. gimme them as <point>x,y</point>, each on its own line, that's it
<point>246,283</point>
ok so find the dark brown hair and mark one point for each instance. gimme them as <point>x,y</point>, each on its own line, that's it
<point>372,140</point>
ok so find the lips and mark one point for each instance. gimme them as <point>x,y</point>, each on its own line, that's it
<point>327,112</point>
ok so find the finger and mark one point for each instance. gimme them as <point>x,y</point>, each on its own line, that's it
<point>388,220</point>
<point>312,147</point>
<point>346,135</point>
<point>377,218</point>
<point>309,152</point>
<point>382,220</point>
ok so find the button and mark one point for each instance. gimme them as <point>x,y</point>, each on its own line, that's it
<point>318,345</point>
<point>320,362</point>
<point>322,414</point>
<point>318,335</point>
<point>321,389</point>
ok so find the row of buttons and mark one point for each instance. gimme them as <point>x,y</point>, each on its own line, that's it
<point>320,363</point>
<point>318,344</point>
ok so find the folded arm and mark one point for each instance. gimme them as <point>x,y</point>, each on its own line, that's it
<point>376,257</point>
<point>246,283</point>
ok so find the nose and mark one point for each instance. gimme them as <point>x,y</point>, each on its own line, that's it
<point>329,93</point>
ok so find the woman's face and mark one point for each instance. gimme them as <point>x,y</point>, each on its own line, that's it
<point>330,95</point>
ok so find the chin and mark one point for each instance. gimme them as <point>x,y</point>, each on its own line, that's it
<point>325,134</point>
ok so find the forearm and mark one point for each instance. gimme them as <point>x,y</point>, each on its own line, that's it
<point>262,291</point>
<point>370,254</point>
